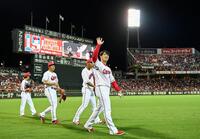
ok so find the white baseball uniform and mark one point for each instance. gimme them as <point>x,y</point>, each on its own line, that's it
<point>103,79</point>
<point>26,97</point>
<point>88,94</point>
<point>50,92</point>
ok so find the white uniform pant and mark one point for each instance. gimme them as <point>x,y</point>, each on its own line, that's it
<point>52,97</point>
<point>88,96</point>
<point>26,97</point>
<point>104,104</point>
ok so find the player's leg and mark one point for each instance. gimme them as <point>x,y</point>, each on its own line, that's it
<point>105,98</point>
<point>85,101</point>
<point>47,110</point>
<point>53,96</point>
<point>23,103</point>
<point>91,120</point>
<point>31,105</point>
<point>94,106</point>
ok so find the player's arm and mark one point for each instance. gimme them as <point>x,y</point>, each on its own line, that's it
<point>114,83</point>
<point>50,83</point>
<point>22,88</point>
<point>90,84</point>
<point>85,78</point>
<point>96,50</point>
<point>117,88</point>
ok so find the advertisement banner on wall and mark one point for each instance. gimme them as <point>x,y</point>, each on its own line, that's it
<point>39,44</point>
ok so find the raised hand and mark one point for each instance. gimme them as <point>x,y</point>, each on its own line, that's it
<point>100,41</point>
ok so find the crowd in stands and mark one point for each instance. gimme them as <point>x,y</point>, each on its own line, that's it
<point>161,84</point>
<point>10,81</point>
<point>167,62</point>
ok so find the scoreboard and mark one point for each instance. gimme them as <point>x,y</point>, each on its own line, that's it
<point>68,52</point>
<point>39,41</point>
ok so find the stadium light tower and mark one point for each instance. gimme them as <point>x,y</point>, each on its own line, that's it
<point>133,22</point>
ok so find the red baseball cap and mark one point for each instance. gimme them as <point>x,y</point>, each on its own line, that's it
<point>26,74</point>
<point>51,63</point>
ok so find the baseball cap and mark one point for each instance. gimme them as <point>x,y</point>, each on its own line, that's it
<point>26,74</point>
<point>51,63</point>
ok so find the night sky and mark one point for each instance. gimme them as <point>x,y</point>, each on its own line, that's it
<point>163,23</point>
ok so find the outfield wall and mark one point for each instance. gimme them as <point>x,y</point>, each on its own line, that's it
<point>10,95</point>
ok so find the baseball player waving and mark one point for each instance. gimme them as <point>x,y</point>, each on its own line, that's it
<point>103,80</point>
<point>26,89</point>
<point>87,92</point>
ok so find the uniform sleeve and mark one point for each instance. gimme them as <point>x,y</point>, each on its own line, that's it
<point>114,82</point>
<point>45,77</point>
<point>85,77</point>
<point>56,78</point>
<point>96,53</point>
<point>23,86</point>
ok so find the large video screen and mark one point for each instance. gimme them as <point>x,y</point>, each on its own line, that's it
<point>41,44</point>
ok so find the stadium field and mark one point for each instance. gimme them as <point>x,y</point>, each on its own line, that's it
<point>142,117</point>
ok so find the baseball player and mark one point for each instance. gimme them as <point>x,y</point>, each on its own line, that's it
<point>103,80</point>
<point>26,89</point>
<point>87,92</point>
<point>50,81</point>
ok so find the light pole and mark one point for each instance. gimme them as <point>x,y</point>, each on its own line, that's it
<point>134,22</point>
<point>61,18</point>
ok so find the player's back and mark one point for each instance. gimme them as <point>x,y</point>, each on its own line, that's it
<point>87,76</point>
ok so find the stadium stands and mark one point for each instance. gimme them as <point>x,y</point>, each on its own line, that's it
<point>167,62</point>
<point>10,80</point>
<point>161,84</point>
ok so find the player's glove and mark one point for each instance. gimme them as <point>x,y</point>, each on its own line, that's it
<point>62,95</point>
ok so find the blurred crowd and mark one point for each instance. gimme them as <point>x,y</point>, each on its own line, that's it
<point>10,80</point>
<point>161,84</point>
<point>169,62</point>
<point>11,83</point>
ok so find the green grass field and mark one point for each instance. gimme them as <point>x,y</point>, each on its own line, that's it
<point>142,117</point>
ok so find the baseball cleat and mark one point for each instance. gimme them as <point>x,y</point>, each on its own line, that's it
<point>90,129</point>
<point>55,122</point>
<point>42,119</point>
<point>119,133</point>
<point>76,123</point>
